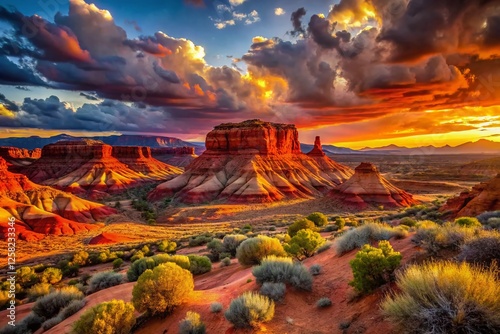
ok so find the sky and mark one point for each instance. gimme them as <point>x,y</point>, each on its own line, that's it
<point>356,72</point>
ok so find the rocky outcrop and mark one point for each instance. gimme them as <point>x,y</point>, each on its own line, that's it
<point>253,137</point>
<point>41,210</point>
<point>19,153</point>
<point>482,197</point>
<point>253,161</point>
<point>175,156</point>
<point>94,169</point>
<point>317,150</point>
<point>368,188</point>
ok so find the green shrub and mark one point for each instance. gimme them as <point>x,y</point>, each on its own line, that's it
<point>433,237</point>
<point>199,264</point>
<point>137,256</point>
<point>304,244</point>
<point>192,324</point>
<point>407,221</point>
<point>26,277</point>
<point>483,251</point>
<point>104,280</point>
<point>39,290</point>
<point>73,307</point>
<point>160,290</point>
<point>167,246</point>
<point>485,216</point>
<point>301,224</point>
<point>363,235</point>
<point>232,241</point>
<point>225,262</point>
<point>493,223</point>
<point>224,255</point>
<point>49,306</point>
<point>216,247</point>
<point>253,250</point>
<point>51,275</point>
<point>71,270</point>
<point>326,246</point>
<point>282,270</point>
<point>324,302</point>
<point>117,263</point>
<point>315,269</point>
<point>283,237</point>
<point>373,266</point>
<point>444,297</point>
<point>199,240</point>
<point>318,219</point>
<point>216,307</point>
<point>113,317</point>
<point>249,310</point>
<point>141,265</point>
<point>275,291</point>
<point>467,222</point>
<point>80,258</point>
<point>340,222</point>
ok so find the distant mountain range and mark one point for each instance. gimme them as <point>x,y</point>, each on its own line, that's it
<point>117,140</point>
<point>481,146</point>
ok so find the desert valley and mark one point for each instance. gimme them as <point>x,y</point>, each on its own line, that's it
<point>246,166</point>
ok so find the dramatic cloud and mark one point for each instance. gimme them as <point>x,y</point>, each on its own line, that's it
<point>364,61</point>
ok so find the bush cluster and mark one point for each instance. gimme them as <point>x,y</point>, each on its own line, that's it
<point>114,316</point>
<point>104,280</point>
<point>324,302</point>
<point>318,219</point>
<point>304,244</point>
<point>301,224</point>
<point>160,290</point>
<point>363,235</point>
<point>199,264</point>
<point>444,297</point>
<point>216,307</point>
<point>467,222</point>
<point>275,291</point>
<point>483,251</point>
<point>433,237</point>
<point>192,324</point>
<point>253,250</point>
<point>249,310</point>
<point>141,265</point>
<point>282,270</point>
<point>167,246</point>
<point>50,305</point>
<point>373,266</point>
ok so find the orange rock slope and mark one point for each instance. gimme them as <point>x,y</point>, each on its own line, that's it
<point>41,210</point>
<point>253,161</point>
<point>482,197</point>
<point>367,187</point>
<point>95,169</point>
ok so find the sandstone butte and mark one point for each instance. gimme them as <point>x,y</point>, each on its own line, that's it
<point>253,161</point>
<point>482,197</point>
<point>41,210</point>
<point>93,169</point>
<point>175,156</point>
<point>18,157</point>
<point>367,187</point>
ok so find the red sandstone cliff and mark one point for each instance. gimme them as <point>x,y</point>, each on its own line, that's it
<point>95,169</point>
<point>175,156</point>
<point>41,210</point>
<point>367,187</point>
<point>252,161</point>
<point>482,197</point>
<point>18,157</point>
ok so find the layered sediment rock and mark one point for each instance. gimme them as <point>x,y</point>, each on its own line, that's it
<point>252,161</point>
<point>41,210</point>
<point>95,169</point>
<point>175,156</point>
<point>19,157</point>
<point>482,197</point>
<point>487,167</point>
<point>367,187</point>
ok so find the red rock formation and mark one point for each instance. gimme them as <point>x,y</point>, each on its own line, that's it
<point>253,137</point>
<point>7,153</point>
<point>317,150</point>
<point>487,167</point>
<point>367,187</point>
<point>253,161</point>
<point>91,168</point>
<point>41,210</point>
<point>109,238</point>
<point>482,197</point>
<point>175,156</point>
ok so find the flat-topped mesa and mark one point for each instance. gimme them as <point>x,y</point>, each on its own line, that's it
<point>185,150</point>
<point>131,152</point>
<point>253,137</point>
<point>7,152</point>
<point>317,150</point>
<point>367,187</point>
<point>78,149</point>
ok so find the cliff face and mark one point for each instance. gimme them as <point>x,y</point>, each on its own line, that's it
<point>482,197</point>
<point>186,150</point>
<point>253,161</point>
<point>367,187</point>
<point>317,150</point>
<point>41,210</point>
<point>7,153</point>
<point>253,137</point>
<point>93,169</point>
<point>175,156</point>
